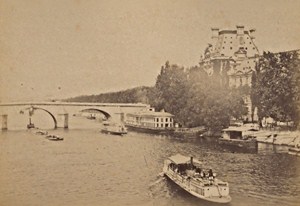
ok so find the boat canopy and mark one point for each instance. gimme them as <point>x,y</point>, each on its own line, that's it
<point>180,159</point>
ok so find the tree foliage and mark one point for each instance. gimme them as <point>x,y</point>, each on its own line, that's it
<point>135,95</point>
<point>171,89</point>
<point>276,86</point>
<point>197,99</point>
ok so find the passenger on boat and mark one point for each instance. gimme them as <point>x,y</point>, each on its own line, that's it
<point>198,170</point>
<point>182,169</point>
<point>211,176</point>
<point>171,166</point>
<point>202,174</point>
<point>210,173</point>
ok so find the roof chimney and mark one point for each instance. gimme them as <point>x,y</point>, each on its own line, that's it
<point>251,33</point>
<point>240,30</point>
<point>215,33</point>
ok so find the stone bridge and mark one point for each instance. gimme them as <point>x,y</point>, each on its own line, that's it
<point>61,112</point>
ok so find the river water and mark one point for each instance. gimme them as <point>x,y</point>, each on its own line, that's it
<point>91,168</point>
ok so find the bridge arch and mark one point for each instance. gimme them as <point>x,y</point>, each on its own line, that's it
<point>39,108</point>
<point>106,114</point>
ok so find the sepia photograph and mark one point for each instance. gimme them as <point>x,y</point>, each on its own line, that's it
<point>149,102</point>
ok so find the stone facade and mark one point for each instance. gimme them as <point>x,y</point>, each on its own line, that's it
<point>232,54</point>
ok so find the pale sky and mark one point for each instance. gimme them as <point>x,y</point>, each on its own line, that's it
<point>63,48</point>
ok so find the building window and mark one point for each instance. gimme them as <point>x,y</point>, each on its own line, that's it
<point>223,47</point>
<point>166,119</point>
<point>230,48</point>
<point>162,125</point>
<point>161,119</point>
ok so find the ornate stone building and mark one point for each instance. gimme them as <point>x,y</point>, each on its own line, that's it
<point>233,55</point>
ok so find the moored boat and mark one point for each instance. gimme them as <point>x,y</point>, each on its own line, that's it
<point>188,174</point>
<point>150,122</point>
<point>239,137</point>
<point>53,137</point>
<point>41,132</point>
<point>114,128</point>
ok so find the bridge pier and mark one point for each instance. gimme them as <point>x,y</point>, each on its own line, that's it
<point>4,121</point>
<point>120,116</point>
<point>66,121</point>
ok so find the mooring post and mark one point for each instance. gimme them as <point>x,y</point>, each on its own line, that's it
<point>4,121</point>
<point>122,117</point>
<point>66,121</point>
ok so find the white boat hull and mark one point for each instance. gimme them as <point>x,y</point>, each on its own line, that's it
<point>199,189</point>
<point>114,128</point>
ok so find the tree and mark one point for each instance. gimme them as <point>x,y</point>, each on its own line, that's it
<point>196,95</point>
<point>236,103</point>
<point>210,103</point>
<point>276,86</point>
<point>171,89</point>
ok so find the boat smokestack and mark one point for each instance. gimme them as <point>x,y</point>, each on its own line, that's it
<point>191,160</point>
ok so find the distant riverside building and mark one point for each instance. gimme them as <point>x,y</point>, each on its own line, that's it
<point>150,119</point>
<point>233,55</point>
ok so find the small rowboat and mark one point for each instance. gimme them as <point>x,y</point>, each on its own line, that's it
<point>54,137</point>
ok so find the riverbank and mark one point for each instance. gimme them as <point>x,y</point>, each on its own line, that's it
<point>286,138</point>
<point>276,137</point>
